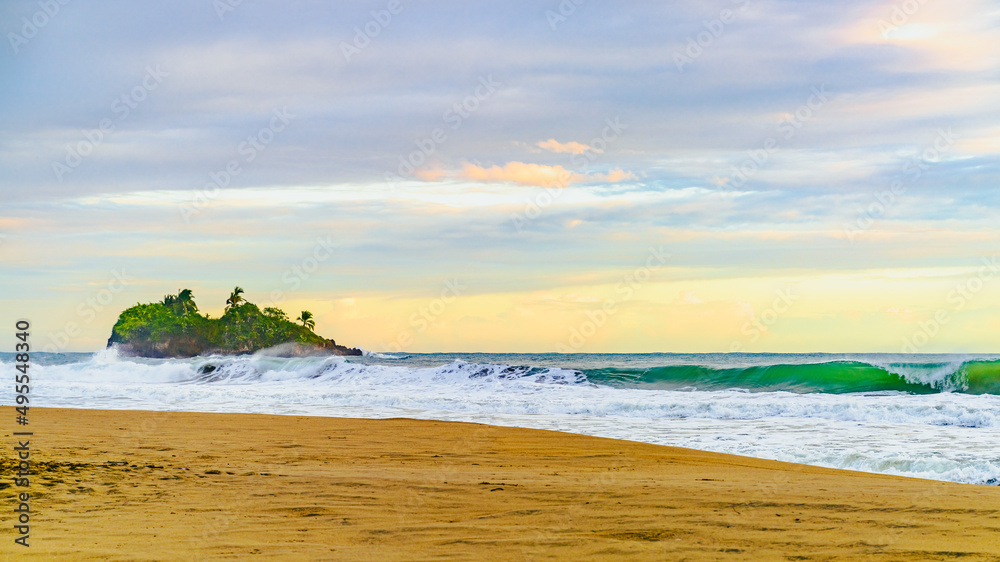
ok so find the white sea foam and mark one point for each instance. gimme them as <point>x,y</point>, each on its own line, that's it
<point>942,436</point>
<point>378,355</point>
<point>940,376</point>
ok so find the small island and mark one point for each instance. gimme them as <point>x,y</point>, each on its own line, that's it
<point>174,328</point>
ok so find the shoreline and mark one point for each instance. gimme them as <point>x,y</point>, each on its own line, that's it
<point>133,484</point>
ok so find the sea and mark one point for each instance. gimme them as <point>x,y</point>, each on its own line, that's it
<point>925,416</point>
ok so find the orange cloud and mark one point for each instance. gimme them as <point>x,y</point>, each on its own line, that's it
<point>540,175</point>
<point>615,176</point>
<point>570,147</point>
<point>429,174</point>
<point>522,173</point>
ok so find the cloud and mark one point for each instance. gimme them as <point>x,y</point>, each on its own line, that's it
<point>571,147</point>
<point>615,176</point>
<point>524,174</point>
<point>953,36</point>
<point>429,174</point>
<point>540,175</point>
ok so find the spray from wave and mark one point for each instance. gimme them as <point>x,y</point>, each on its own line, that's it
<point>916,416</point>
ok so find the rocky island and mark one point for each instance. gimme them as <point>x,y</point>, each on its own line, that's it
<point>173,327</point>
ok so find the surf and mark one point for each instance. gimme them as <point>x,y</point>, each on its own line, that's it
<point>835,377</point>
<point>925,416</point>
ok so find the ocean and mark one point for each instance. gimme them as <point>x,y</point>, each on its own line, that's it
<point>926,416</point>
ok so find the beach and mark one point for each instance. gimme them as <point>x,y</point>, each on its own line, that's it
<point>563,280</point>
<point>143,485</point>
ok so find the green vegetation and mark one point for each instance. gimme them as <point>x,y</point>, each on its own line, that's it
<point>307,319</point>
<point>235,299</point>
<point>174,328</point>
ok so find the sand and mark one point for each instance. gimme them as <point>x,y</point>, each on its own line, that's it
<point>134,485</point>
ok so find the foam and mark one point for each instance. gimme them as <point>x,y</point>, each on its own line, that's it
<point>944,436</point>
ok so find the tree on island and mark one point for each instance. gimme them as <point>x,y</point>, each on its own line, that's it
<point>235,299</point>
<point>174,328</point>
<point>307,319</point>
<point>185,302</point>
<point>182,303</point>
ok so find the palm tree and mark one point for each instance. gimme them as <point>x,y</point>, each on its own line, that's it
<point>307,319</point>
<point>184,303</point>
<point>235,299</point>
<point>169,300</point>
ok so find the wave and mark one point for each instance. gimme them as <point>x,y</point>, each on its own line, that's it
<point>335,370</point>
<point>379,355</point>
<point>107,366</point>
<point>893,414</point>
<point>838,391</point>
<point>800,374</point>
<point>835,377</point>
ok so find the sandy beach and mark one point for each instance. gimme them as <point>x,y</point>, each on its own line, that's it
<point>135,485</point>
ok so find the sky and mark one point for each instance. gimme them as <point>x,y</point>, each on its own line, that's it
<point>572,176</point>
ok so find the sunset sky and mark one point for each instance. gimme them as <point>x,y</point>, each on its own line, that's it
<point>581,175</point>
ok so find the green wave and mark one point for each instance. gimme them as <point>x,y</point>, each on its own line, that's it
<point>836,377</point>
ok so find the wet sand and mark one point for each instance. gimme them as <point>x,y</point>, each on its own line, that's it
<point>133,485</point>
